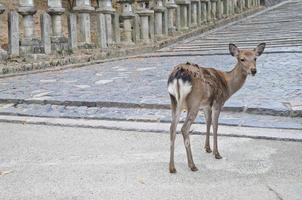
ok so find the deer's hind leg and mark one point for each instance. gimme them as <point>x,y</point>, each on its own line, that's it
<point>176,111</point>
<point>208,119</point>
<point>215,116</point>
<point>191,115</point>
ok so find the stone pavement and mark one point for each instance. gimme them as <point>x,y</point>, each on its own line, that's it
<point>50,162</point>
<point>140,82</point>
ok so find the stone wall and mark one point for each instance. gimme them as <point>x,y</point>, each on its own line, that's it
<point>33,28</point>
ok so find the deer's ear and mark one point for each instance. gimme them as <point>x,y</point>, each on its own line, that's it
<point>259,49</point>
<point>234,51</point>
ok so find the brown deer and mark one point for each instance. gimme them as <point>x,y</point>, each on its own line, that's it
<point>192,87</point>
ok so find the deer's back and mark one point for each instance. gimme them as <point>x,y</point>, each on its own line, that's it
<point>208,84</point>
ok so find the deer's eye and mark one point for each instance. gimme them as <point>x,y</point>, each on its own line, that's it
<point>255,59</point>
<point>242,59</point>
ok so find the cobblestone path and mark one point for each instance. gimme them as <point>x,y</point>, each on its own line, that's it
<point>141,81</point>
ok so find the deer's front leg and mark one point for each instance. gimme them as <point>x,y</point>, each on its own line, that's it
<point>185,132</point>
<point>208,119</point>
<point>215,117</point>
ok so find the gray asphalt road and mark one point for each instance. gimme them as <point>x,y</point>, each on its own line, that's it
<point>51,162</point>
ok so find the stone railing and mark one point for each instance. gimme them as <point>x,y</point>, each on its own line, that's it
<point>143,23</point>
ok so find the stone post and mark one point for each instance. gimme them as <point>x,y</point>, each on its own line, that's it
<point>13,34</point>
<point>195,13</point>
<point>45,33</point>
<point>127,17</point>
<point>27,10</point>
<point>240,5</point>
<point>213,9</point>
<point>203,11</point>
<point>3,54</point>
<point>106,27</point>
<point>160,19</point>
<point>184,14</point>
<point>72,32</point>
<point>55,10</point>
<point>219,9</point>
<point>231,7</point>
<point>247,4</point>
<point>209,9</point>
<point>171,6</point>
<point>84,8</point>
<point>146,18</point>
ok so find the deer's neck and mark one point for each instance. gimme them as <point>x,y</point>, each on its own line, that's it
<point>235,79</point>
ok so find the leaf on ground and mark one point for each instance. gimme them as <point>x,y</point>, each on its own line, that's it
<point>2,173</point>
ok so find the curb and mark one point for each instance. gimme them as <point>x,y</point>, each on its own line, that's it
<point>226,131</point>
<point>258,111</point>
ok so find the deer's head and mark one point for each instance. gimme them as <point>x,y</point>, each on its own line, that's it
<point>247,58</point>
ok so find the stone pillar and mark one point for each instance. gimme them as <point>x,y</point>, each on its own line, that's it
<point>219,9</point>
<point>195,13</point>
<point>106,27</point>
<point>240,4</point>
<point>160,19</point>
<point>29,42</point>
<point>3,54</point>
<point>225,8</point>
<point>84,8</point>
<point>13,34</point>
<point>72,32</point>
<point>203,11</point>
<point>209,9</point>
<point>27,10</point>
<point>231,7</point>
<point>146,18</point>
<point>247,4</point>
<point>45,33</point>
<point>184,14</point>
<point>213,9</point>
<point>171,6</point>
<point>127,17</point>
<point>55,10</point>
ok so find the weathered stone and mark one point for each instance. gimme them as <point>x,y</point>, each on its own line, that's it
<point>83,8</point>
<point>145,16</point>
<point>127,17</point>
<point>45,33</point>
<point>184,14</point>
<point>13,34</point>
<point>171,7</point>
<point>101,31</point>
<point>72,32</point>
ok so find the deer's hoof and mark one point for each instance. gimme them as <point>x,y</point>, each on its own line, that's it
<point>217,156</point>
<point>172,170</point>
<point>208,149</point>
<point>194,168</point>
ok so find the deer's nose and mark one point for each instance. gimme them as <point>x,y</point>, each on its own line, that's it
<point>253,71</point>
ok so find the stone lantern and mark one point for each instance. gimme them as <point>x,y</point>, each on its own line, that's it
<point>84,8</point>
<point>107,24</point>
<point>160,19</point>
<point>184,14</point>
<point>195,13</point>
<point>127,16</point>
<point>171,7</point>
<point>3,53</point>
<point>27,10</point>
<point>146,17</point>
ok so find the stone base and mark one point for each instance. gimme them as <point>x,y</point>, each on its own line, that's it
<point>59,44</point>
<point>3,55</point>
<point>87,46</point>
<point>30,46</point>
